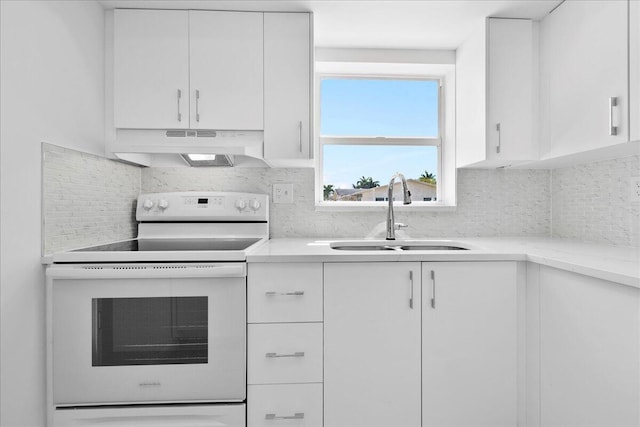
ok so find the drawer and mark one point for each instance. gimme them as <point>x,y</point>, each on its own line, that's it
<point>284,353</point>
<point>284,405</point>
<point>284,292</point>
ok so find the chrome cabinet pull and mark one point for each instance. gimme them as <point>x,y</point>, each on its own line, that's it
<point>284,294</point>
<point>411,290</point>
<point>300,134</point>
<point>179,97</point>
<point>296,416</point>
<point>274,355</point>
<point>433,289</point>
<point>197,105</point>
<point>613,103</point>
<point>499,137</point>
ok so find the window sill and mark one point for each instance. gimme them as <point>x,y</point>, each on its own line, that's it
<point>382,207</point>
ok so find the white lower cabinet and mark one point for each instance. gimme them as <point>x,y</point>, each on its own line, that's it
<point>469,344</point>
<point>284,344</point>
<point>421,344</point>
<point>372,344</point>
<point>285,353</point>
<point>284,405</point>
<point>589,347</point>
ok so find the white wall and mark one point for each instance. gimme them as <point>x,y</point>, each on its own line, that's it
<point>52,86</point>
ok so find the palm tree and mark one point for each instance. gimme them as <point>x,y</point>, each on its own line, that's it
<point>328,190</point>
<point>428,177</point>
<point>366,182</point>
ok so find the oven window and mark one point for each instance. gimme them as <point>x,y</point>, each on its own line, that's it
<point>150,331</point>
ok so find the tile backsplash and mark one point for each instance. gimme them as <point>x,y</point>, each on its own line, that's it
<point>490,202</point>
<point>86,199</point>
<point>592,202</point>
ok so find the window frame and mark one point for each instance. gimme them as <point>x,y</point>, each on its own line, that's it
<point>445,190</point>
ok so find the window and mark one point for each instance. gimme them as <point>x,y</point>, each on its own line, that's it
<point>374,125</point>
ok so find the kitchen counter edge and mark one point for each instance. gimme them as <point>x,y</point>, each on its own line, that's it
<point>617,264</point>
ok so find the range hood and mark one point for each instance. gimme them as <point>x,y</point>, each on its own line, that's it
<point>231,145</point>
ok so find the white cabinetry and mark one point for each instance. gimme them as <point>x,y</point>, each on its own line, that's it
<point>226,58</point>
<point>287,76</point>
<point>151,69</point>
<point>494,95</point>
<point>469,344</point>
<point>284,344</point>
<point>584,64</point>
<point>431,344</point>
<point>589,351</point>
<point>372,344</point>
<point>634,70</point>
<point>188,69</point>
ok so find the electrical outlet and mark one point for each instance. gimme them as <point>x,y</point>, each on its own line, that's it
<point>634,189</point>
<point>283,193</point>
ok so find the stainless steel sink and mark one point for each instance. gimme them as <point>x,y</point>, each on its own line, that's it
<point>399,246</point>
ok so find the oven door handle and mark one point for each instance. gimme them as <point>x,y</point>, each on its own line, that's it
<point>146,271</point>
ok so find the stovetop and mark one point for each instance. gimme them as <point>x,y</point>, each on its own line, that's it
<point>190,244</point>
<point>186,227</point>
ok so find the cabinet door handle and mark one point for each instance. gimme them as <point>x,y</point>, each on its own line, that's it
<point>433,289</point>
<point>499,137</point>
<point>179,97</point>
<point>300,134</point>
<point>197,105</point>
<point>284,294</point>
<point>274,355</point>
<point>613,103</point>
<point>296,416</point>
<point>411,290</point>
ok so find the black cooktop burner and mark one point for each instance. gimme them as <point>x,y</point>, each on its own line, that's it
<point>154,245</point>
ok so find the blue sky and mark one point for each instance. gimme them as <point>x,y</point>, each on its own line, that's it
<point>367,107</point>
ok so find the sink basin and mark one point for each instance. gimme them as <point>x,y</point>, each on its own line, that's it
<point>399,245</point>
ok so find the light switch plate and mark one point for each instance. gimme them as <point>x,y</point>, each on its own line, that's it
<point>634,189</point>
<point>283,193</point>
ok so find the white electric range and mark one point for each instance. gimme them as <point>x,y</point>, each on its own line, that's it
<point>156,326</point>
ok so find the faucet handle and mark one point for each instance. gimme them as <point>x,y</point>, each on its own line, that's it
<point>400,225</point>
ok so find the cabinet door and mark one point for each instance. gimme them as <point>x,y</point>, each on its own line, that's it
<point>372,345</point>
<point>589,351</point>
<point>287,87</point>
<point>510,90</point>
<point>151,69</point>
<point>634,68</point>
<point>587,56</point>
<point>469,344</point>
<point>226,57</point>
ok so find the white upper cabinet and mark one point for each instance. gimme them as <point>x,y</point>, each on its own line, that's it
<point>188,69</point>
<point>634,69</point>
<point>495,95</point>
<point>151,69</point>
<point>584,77</point>
<point>287,77</point>
<point>226,58</point>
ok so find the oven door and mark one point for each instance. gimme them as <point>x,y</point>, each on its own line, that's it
<point>147,333</point>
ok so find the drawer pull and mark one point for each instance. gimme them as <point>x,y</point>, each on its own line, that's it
<point>285,294</point>
<point>296,416</point>
<point>296,354</point>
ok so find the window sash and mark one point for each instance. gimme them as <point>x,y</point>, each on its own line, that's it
<point>380,140</point>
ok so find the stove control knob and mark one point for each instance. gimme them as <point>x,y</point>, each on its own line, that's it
<point>254,205</point>
<point>241,204</point>
<point>147,204</point>
<point>163,204</point>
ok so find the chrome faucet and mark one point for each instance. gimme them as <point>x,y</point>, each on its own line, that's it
<point>391,223</point>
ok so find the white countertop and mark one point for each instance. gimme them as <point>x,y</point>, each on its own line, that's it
<point>614,263</point>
